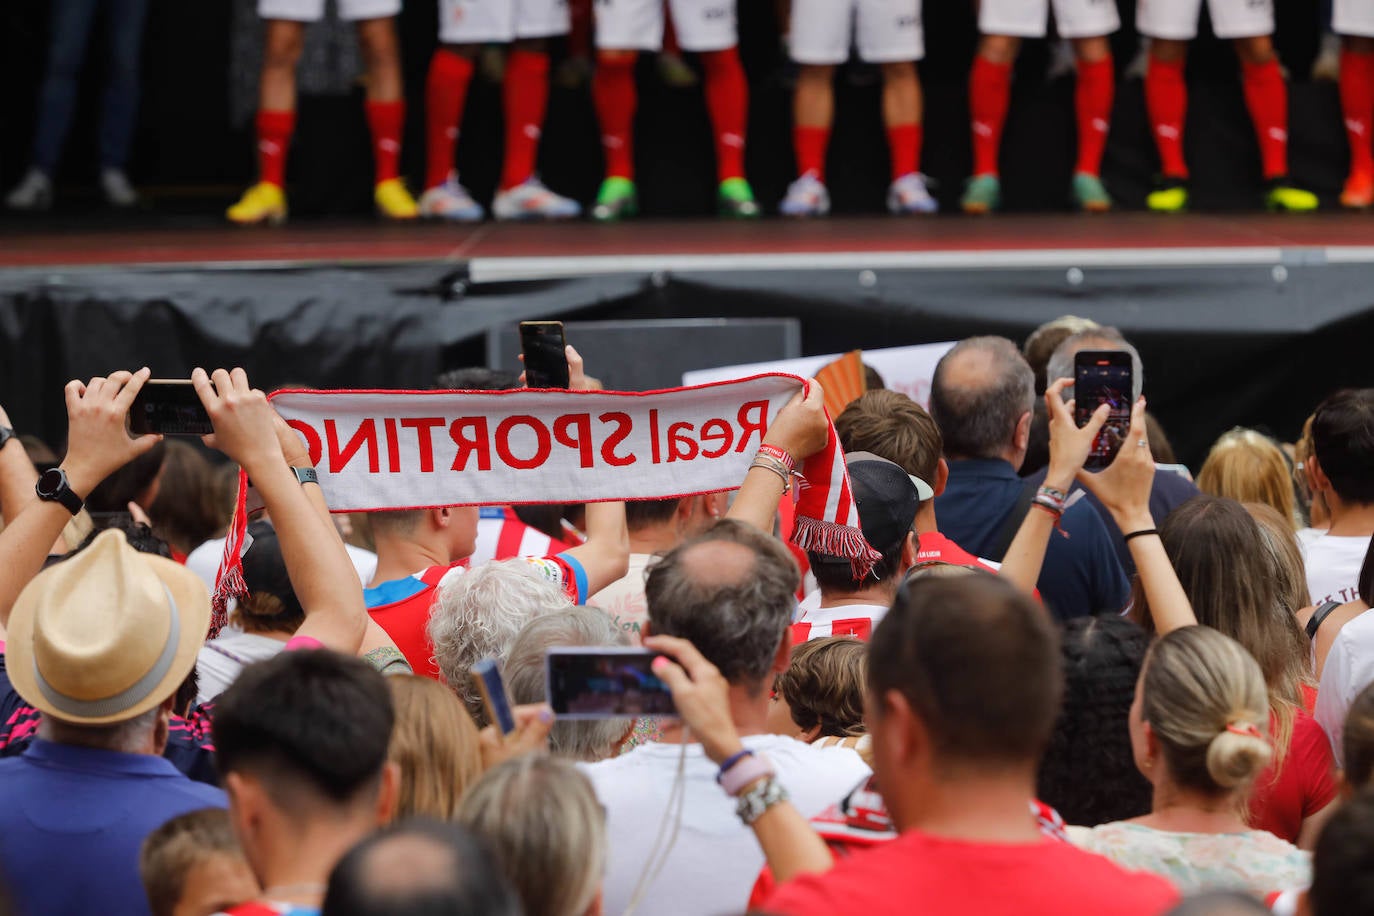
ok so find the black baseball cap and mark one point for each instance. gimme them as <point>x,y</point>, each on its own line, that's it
<point>264,569</point>
<point>887,498</point>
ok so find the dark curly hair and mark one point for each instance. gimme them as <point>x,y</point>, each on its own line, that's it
<point>1088,773</point>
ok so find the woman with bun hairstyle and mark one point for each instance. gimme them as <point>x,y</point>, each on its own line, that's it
<point>1199,728</point>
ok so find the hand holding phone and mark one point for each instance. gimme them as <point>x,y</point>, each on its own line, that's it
<point>545,352</point>
<point>1104,377</point>
<point>606,682</point>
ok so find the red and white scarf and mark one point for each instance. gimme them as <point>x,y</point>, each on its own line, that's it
<point>377,450</point>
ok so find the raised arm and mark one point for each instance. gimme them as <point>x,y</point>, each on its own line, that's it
<point>17,475</point>
<point>98,444</point>
<point>321,573</point>
<point>800,429</point>
<point>1069,448</point>
<point>606,554</point>
<point>702,697</point>
<point>1124,488</point>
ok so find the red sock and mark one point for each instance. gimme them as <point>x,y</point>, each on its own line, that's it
<point>727,99</point>
<point>810,144</point>
<point>445,93</point>
<point>904,148</point>
<point>1357,107</point>
<point>274,137</point>
<point>385,120</point>
<point>989,93</point>
<point>1093,105</point>
<point>526,95</point>
<point>1266,95</point>
<point>613,91</point>
<point>1166,100</point>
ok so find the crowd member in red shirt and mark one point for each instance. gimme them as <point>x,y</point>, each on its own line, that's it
<point>893,426</point>
<point>963,689</point>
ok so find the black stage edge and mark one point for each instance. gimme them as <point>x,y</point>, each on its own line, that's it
<point>1254,344</point>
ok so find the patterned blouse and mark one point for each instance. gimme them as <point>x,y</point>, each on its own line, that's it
<point>1254,861</point>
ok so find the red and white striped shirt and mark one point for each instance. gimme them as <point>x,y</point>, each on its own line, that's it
<point>502,536</point>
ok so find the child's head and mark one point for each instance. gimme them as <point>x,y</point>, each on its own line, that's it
<point>192,866</point>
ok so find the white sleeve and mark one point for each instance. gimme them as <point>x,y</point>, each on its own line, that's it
<point>1335,693</point>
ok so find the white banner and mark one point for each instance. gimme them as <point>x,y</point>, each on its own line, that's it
<point>905,369</point>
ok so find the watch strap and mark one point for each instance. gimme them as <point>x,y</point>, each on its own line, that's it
<point>62,493</point>
<point>306,475</point>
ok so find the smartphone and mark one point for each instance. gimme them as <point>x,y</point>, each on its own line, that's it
<point>486,676</point>
<point>602,682</point>
<point>546,359</point>
<point>1103,377</point>
<point>169,407</point>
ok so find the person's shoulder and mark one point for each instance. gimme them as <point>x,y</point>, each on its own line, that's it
<point>1095,880</point>
<point>1173,487</point>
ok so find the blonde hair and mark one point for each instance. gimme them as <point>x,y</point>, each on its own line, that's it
<point>1250,467</point>
<point>1206,700</point>
<point>541,819</point>
<point>1281,541</point>
<point>435,745</point>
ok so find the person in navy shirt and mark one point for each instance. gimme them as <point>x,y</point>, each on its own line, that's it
<point>76,806</point>
<point>982,397</point>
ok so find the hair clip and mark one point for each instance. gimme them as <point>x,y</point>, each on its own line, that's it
<point>1245,729</point>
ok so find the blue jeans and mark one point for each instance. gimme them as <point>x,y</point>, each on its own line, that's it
<point>71,25</point>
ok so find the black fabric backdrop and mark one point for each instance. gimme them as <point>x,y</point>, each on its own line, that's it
<point>185,140</point>
<point>1222,346</point>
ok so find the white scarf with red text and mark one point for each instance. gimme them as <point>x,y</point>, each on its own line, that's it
<point>378,450</point>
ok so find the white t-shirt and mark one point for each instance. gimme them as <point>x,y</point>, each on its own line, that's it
<point>716,860</point>
<point>1349,669</point>
<point>624,598</point>
<point>1333,565</point>
<point>222,659</point>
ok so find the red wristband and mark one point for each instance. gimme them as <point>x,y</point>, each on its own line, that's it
<point>772,451</point>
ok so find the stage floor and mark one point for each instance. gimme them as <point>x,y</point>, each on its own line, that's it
<point>512,251</point>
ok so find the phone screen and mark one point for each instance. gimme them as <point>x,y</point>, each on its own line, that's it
<point>601,683</point>
<point>486,675</point>
<point>170,408</point>
<point>546,359</point>
<point>1103,377</point>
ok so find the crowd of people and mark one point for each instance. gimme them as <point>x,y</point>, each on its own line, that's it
<point>820,35</point>
<point>1048,690</point>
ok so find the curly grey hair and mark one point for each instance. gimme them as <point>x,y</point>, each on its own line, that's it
<point>477,615</point>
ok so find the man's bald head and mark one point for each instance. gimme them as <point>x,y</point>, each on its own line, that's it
<point>981,390</point>
<point>731,591</point>
<point>419,867</point>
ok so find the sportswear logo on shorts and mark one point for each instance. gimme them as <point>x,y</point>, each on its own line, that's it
<point>1167,131</point>
<point>905,22</point>
<point>1278,133</point>
<point>715,12</point>
<point>1100,125</point>
<point>732,139</point>
<point>388,145</point>
<point>1355,126</point>
<point>531,131</point>
<point>982,128</point>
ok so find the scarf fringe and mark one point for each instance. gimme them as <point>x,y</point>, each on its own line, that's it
<point>229,583</point>
<point>834,540</point>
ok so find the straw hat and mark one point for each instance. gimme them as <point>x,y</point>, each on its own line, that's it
<point>107,635</point>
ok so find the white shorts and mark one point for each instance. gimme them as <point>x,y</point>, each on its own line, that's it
<point>313,10</point>
<point>1177,19</point>
<point>502,21</point>
<point>886,31</point>
<point>1353,17</point>
<point>1030,18</point>
<point>637,25</point>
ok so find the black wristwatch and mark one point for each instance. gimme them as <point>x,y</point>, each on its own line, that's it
<point>53,486</point>
<point>6,434</point>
